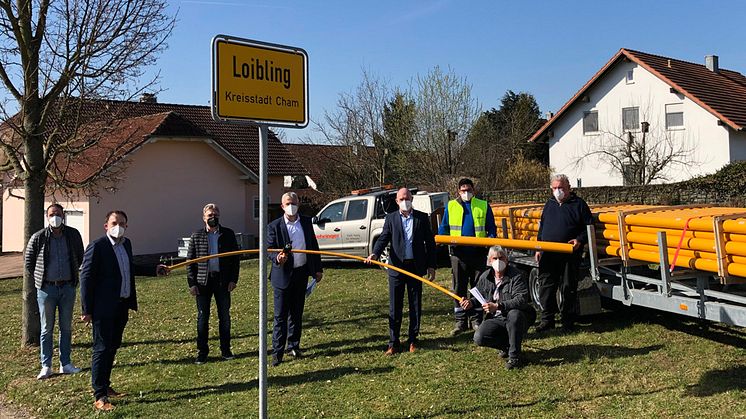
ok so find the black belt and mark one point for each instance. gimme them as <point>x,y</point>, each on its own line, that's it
<point>57,283</point>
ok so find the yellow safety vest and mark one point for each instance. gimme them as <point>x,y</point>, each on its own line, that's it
<point>478,212</point>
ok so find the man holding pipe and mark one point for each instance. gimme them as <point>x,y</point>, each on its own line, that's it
<point>412,249</point>
<point>563,220</point>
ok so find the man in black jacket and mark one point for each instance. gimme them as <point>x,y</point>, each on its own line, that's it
<point>289,275</point>
<point>107,293</point>
<point>216,276</point>
<point>508,314</point>
<point>412,249</point>
<point>563,220</point>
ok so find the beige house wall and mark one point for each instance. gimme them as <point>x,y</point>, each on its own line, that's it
<point>13,217</point>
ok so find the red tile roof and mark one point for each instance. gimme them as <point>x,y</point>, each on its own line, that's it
<point>723,94</point>
<point>317,158</point>
<point>120,127</point>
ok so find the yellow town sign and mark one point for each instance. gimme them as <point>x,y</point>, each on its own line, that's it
<point>259,82</point>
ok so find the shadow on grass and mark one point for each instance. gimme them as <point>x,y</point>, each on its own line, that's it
<point>350,346</point>
<point>576,353</point>
<point>127,343</point>
<point>623,317</point>
<point>167,395</point>
<point>719,381</point>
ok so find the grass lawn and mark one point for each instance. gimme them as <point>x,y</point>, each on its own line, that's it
<point>631,363</point>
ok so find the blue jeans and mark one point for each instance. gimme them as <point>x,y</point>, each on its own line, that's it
<point>52,298</point>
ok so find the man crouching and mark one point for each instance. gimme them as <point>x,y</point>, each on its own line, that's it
<point>508,314</point>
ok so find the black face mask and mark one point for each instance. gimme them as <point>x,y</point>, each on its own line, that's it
<point>213,222</point>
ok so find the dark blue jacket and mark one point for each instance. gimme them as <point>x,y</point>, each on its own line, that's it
<point>562,223</point>
<point>423,243</point>
<point>101,279</point>
<point>277,238</point>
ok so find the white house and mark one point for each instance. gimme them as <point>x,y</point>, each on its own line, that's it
<point>694,111</point>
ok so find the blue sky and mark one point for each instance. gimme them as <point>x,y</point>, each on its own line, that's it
<point>547,48</point>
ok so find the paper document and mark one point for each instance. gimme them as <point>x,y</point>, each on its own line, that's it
<point>478,295</point>
<point>311,286</point>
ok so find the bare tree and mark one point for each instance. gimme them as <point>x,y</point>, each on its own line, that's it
<point>55,55</point>
<point>641,156</point>
<point>446,113</point>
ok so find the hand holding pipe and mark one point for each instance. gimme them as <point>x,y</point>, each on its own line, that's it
<point>318,252</point>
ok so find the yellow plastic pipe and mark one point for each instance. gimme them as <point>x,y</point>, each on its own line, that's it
<point>509,243</point>
<point>318,252</point>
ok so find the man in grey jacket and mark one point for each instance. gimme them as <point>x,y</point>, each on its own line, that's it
<point>53,256</point>
<point>508,314</point>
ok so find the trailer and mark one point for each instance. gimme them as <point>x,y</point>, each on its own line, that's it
<point>712,295</point>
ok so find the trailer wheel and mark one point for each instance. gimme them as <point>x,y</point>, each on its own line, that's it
<point>533,287</point>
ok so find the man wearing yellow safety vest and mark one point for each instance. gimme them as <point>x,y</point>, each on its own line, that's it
<point>467,216</point>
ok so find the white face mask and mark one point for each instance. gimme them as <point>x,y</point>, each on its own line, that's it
<point>466,196</point>
<point>559,194</point>
<point>499,265</point>
<point>291,210</point>
<point>116,232</point>
<point>54,221</point>
<point>405,205</point>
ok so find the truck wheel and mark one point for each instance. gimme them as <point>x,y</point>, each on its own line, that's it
<point>385,257</point>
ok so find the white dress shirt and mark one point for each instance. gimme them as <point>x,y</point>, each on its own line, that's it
<point>124,265</point>
<point>297,240</point>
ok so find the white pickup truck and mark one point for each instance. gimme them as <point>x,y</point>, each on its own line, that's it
<point>352,224</point>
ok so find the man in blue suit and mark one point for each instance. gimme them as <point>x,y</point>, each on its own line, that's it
<point>107,293</point>
<point>412,249</point>
<point>289,275</point>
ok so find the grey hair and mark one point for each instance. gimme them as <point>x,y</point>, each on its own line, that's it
<point>292,195</point>
<point>560,177</point>
<point>496,251</point>
<point>210,207</point>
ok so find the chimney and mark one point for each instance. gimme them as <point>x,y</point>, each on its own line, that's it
<point>148,98</point>
<point>550,115</point>
<point>711,62</point>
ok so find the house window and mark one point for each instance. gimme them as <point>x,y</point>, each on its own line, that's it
<point>590,122</point>
<point>256,207</point>
<point>631,119</point>
<point>630,77</point>
<point>674,115</point>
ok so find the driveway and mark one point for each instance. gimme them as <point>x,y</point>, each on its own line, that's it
<point>11,265</point>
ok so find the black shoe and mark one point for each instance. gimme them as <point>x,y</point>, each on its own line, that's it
<point>544,326</point>
<point>460,328</point>
<point>512,363</point>
<point>502,353</point>
<point>201,359</point>
<point>276,360</point>
<point>295,353</point>
<point>228,356</point>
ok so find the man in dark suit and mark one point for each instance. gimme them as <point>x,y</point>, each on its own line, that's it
<point>289,275</point>
<point>412,249</point>
<point>107,293</point>
<point>217,276</point>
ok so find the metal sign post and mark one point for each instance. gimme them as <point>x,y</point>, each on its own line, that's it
<point>263,133</point>
<point>265,85</point>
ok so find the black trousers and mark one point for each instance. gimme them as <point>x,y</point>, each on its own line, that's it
<point>505,332</point>
<point>214,287</point>
<point>466,269</point>
<point>551,277</point>
<point>289,304</point>
<point>107,338</point>
<point>397,285</point>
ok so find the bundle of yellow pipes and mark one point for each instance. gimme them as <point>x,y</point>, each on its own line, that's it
<point>689,229</point>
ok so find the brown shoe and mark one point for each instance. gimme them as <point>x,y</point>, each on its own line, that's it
<point>103,404</point>
<point>390,351</point>
<point>412,347</point>
<point>110,392</point>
